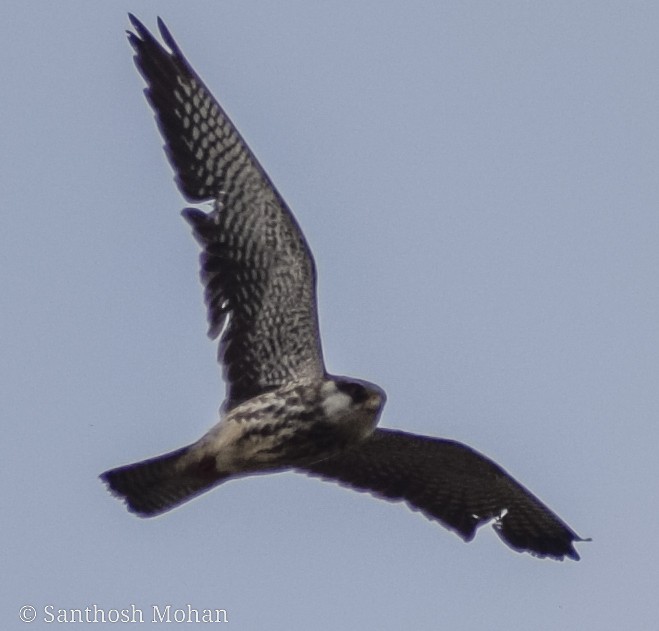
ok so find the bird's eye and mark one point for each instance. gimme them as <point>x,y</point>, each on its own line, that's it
<point>355,391</point>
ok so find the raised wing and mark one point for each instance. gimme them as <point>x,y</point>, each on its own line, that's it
<point>256,267</point>
<point>452,484</point>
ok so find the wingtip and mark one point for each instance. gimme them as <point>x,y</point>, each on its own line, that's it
<point>168,38</point>
<point>569,553</point>
<point>139,36</point>
<point>144,34</point>
<point>572,553</point>
<point>555,547</point>
<point>137,25</point>
<point>543,543</point>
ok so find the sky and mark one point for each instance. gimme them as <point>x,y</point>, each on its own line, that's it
<point>479,184</point>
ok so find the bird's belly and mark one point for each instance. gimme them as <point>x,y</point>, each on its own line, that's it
<point>273,446</point>
<point>288,428</point>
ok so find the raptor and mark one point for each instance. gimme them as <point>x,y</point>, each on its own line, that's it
<point>283,411</point>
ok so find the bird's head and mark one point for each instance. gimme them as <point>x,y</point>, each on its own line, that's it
<point>354,402</point>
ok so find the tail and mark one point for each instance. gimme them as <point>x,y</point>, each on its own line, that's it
<point>157,485</point>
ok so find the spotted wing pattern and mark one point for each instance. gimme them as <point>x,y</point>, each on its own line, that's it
<point>452,484</point>
<point>257,270</point>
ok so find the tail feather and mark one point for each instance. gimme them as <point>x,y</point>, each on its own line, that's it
<point>157,485</point>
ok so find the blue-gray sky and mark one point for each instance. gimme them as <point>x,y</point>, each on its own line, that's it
<point>479,183</point>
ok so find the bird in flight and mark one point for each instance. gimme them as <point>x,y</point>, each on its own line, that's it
<point>283,411</point>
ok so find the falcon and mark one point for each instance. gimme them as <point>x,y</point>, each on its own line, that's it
<point>283,411</point>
